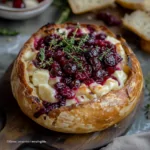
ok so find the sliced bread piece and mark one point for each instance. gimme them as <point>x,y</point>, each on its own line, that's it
<point>147,5</point>
<point>132,4</point>
<point>145,45</point>
<point>139,23</point>
<point>81,6</point>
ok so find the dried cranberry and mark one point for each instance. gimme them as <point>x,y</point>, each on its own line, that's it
<point>70,68</point>
<point>59,86</point>
<point>67,93</point>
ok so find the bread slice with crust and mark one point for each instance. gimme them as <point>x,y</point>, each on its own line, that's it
<point>145,45</point>
<point>131,4</point>
<point>81,6</point>
<point>139,23</point>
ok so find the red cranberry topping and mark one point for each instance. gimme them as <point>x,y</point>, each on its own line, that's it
<point>59,86</point>
<point>67,93</point>
<point>18,4</point>
<point>91,59</point>
<point>109,19</point>
<point>88,81</point>
<point>112,59</point>
<point>81,76</point>
<point>101,36</point>
<point>70,68</point>
<point>75,84</point>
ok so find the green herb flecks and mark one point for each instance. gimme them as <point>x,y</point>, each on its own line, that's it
<point>42,54</point>
<point>8,32</point>
<point>104,54</point>
<point>43,62</point>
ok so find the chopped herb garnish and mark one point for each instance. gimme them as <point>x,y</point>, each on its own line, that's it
<point>104,54</point>
<point>42,54</point>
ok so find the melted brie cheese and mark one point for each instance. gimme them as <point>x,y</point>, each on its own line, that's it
<point>45,85</point>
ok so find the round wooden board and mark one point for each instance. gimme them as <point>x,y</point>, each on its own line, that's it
<point>20,131</point>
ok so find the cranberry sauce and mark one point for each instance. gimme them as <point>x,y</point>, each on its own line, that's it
<point>76,58</point>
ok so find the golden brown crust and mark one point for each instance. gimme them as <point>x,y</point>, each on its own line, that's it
<point>145,45</point>
<point>83,118</point>
<point>131,5</point>
<point>76,7</point>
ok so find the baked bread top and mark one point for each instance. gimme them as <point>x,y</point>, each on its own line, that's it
<point>76,78</point>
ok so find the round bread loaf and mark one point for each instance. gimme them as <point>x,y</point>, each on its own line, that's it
<point>76,78</point>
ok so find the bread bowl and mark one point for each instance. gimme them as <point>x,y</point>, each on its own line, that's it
<point>85,98</point>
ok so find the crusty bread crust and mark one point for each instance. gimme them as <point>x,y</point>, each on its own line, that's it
<point>79,7</point>
<point>145,45</point>
<point>82,118</point>
<point>131,5</point>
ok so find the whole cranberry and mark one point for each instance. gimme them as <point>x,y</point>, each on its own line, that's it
<point>101,36</point>
<point>91,53</point>
<point>88,69</point>
<point>81,76</point>
<point>112,59</point>
<point>58,54</point>
<point>59,97</point>
<point>39,44</point>
<point>100,74</point>
<point>67,93</point>
<point>75,84</point>
<point>59,86</point>
<point>63,61</point>
<point>55,70</point>
<point>70,68</point>
<point>67,80</point>
<point>49,54</point>
<point>18,4</point>
<point>88,81</point>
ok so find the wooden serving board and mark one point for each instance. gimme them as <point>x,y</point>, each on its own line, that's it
<point>18,131</point>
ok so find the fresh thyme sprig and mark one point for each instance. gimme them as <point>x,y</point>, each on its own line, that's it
<point>43,62</point>
<point>42,55</point>
<point>104,54</point>
<point>68,45</point>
